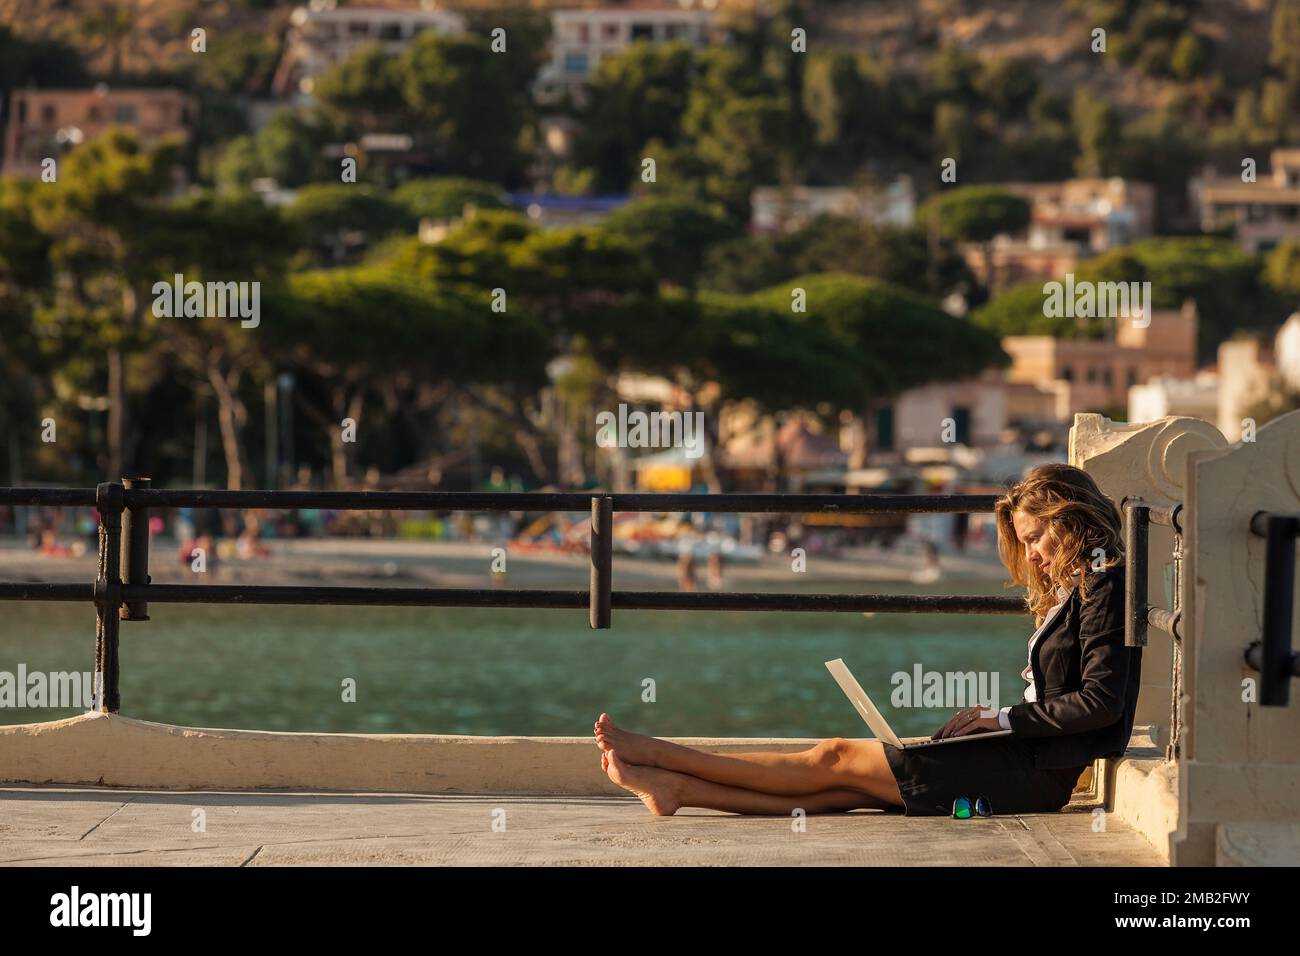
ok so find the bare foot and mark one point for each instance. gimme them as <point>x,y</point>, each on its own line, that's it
<point>632,748</point>
<point>654,787</point>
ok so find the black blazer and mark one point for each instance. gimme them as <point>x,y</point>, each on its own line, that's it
<point>1086,680</point>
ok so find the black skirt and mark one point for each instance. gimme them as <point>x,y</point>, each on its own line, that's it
<point>1000,769</point>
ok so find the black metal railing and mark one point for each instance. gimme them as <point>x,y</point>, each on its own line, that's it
<point>1139,615</point>
<point>1272,656</point>
<point>122,590</point>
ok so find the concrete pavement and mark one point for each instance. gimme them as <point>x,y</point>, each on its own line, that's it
<point>95,826</point>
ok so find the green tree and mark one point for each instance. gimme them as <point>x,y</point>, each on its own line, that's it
<point>529,35</point>
<point>365,90</point>
<point>1009,84</point>
<point>239,63</point>
<point>906,258</point>
<point>1284,40</point>
<point>734,124</point>
<point>24,374</point>
<point>588,290</point>
<point>1097,127</point>
<point>41,63</point>
<point>111,24</point>
<point>1284,54</point>
<point>24,249</point>
<point>636,96</point>
<point>673,233</point>
<point>1191,56</point>
<point>743,350</point>
<point>339,219</point>
<point>436,91</point>
<point>572,278</point>
<point>896,340</point>
<point>954,131</point>
<point>745,265</point>
<point>977,214</point>
<point>755,351</point>
<point>1223,280</point>
<point>444,82</point>
<point>287,149</point>
<point>1282,269</point>
<point>445,197</point>
<point>100,217</point>
<point>207,238</point>
<point>1161,149</point>
<point>353,332</point>
<point>954,75</point>
<point>474,254</point>
<point>238,165</point>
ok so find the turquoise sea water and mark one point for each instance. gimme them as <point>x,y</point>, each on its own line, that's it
<point>493,671</point>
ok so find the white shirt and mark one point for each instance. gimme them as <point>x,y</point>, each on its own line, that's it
<point>1031,693</point>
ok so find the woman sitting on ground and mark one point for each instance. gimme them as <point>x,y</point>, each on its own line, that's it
<point>1060,538</point>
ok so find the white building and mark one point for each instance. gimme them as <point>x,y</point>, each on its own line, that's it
<point>321,35</point>
<point>1095,215</point>
<point>580,39</point>
<point>1263,213</point>
<point>973,412</point>
<point>1255,369</point>
<point>1164,395</point>
<point>1286,346</point>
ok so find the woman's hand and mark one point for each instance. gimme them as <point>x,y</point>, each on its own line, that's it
<point>972,720</point>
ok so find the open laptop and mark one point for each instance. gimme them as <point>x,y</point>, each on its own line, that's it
<point>879,726</point>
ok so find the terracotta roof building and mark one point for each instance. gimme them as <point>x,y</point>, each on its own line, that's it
<point>46,123</point>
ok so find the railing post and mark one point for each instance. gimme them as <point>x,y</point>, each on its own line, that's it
<point>1272,657</point>
<point>602,561</point>
<point>108,596</point>
<point>135,550</point>
<point>1136,529</point>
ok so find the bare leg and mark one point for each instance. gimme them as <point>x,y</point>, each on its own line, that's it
<point>831,765</point>
<point>664,792</point>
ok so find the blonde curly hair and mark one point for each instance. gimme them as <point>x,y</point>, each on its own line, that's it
<point>1082,523</point>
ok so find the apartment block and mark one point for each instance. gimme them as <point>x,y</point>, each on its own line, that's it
<point>46,123</point>
<point>322,35</point>
<point>580,39</point>
<point>1071,220</point>
<point>1089,374</point>
<point>1261,213</point>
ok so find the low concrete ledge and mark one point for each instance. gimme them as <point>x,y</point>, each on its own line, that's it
<point>116,751</point>
<point>1262,843</point>
<point>1146,798</point>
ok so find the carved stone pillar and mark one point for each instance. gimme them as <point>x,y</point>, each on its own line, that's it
<point>1147,460</point>
<point>1239,762</point>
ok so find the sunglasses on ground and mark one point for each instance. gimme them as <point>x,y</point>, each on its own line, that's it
<point>962,809</point>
